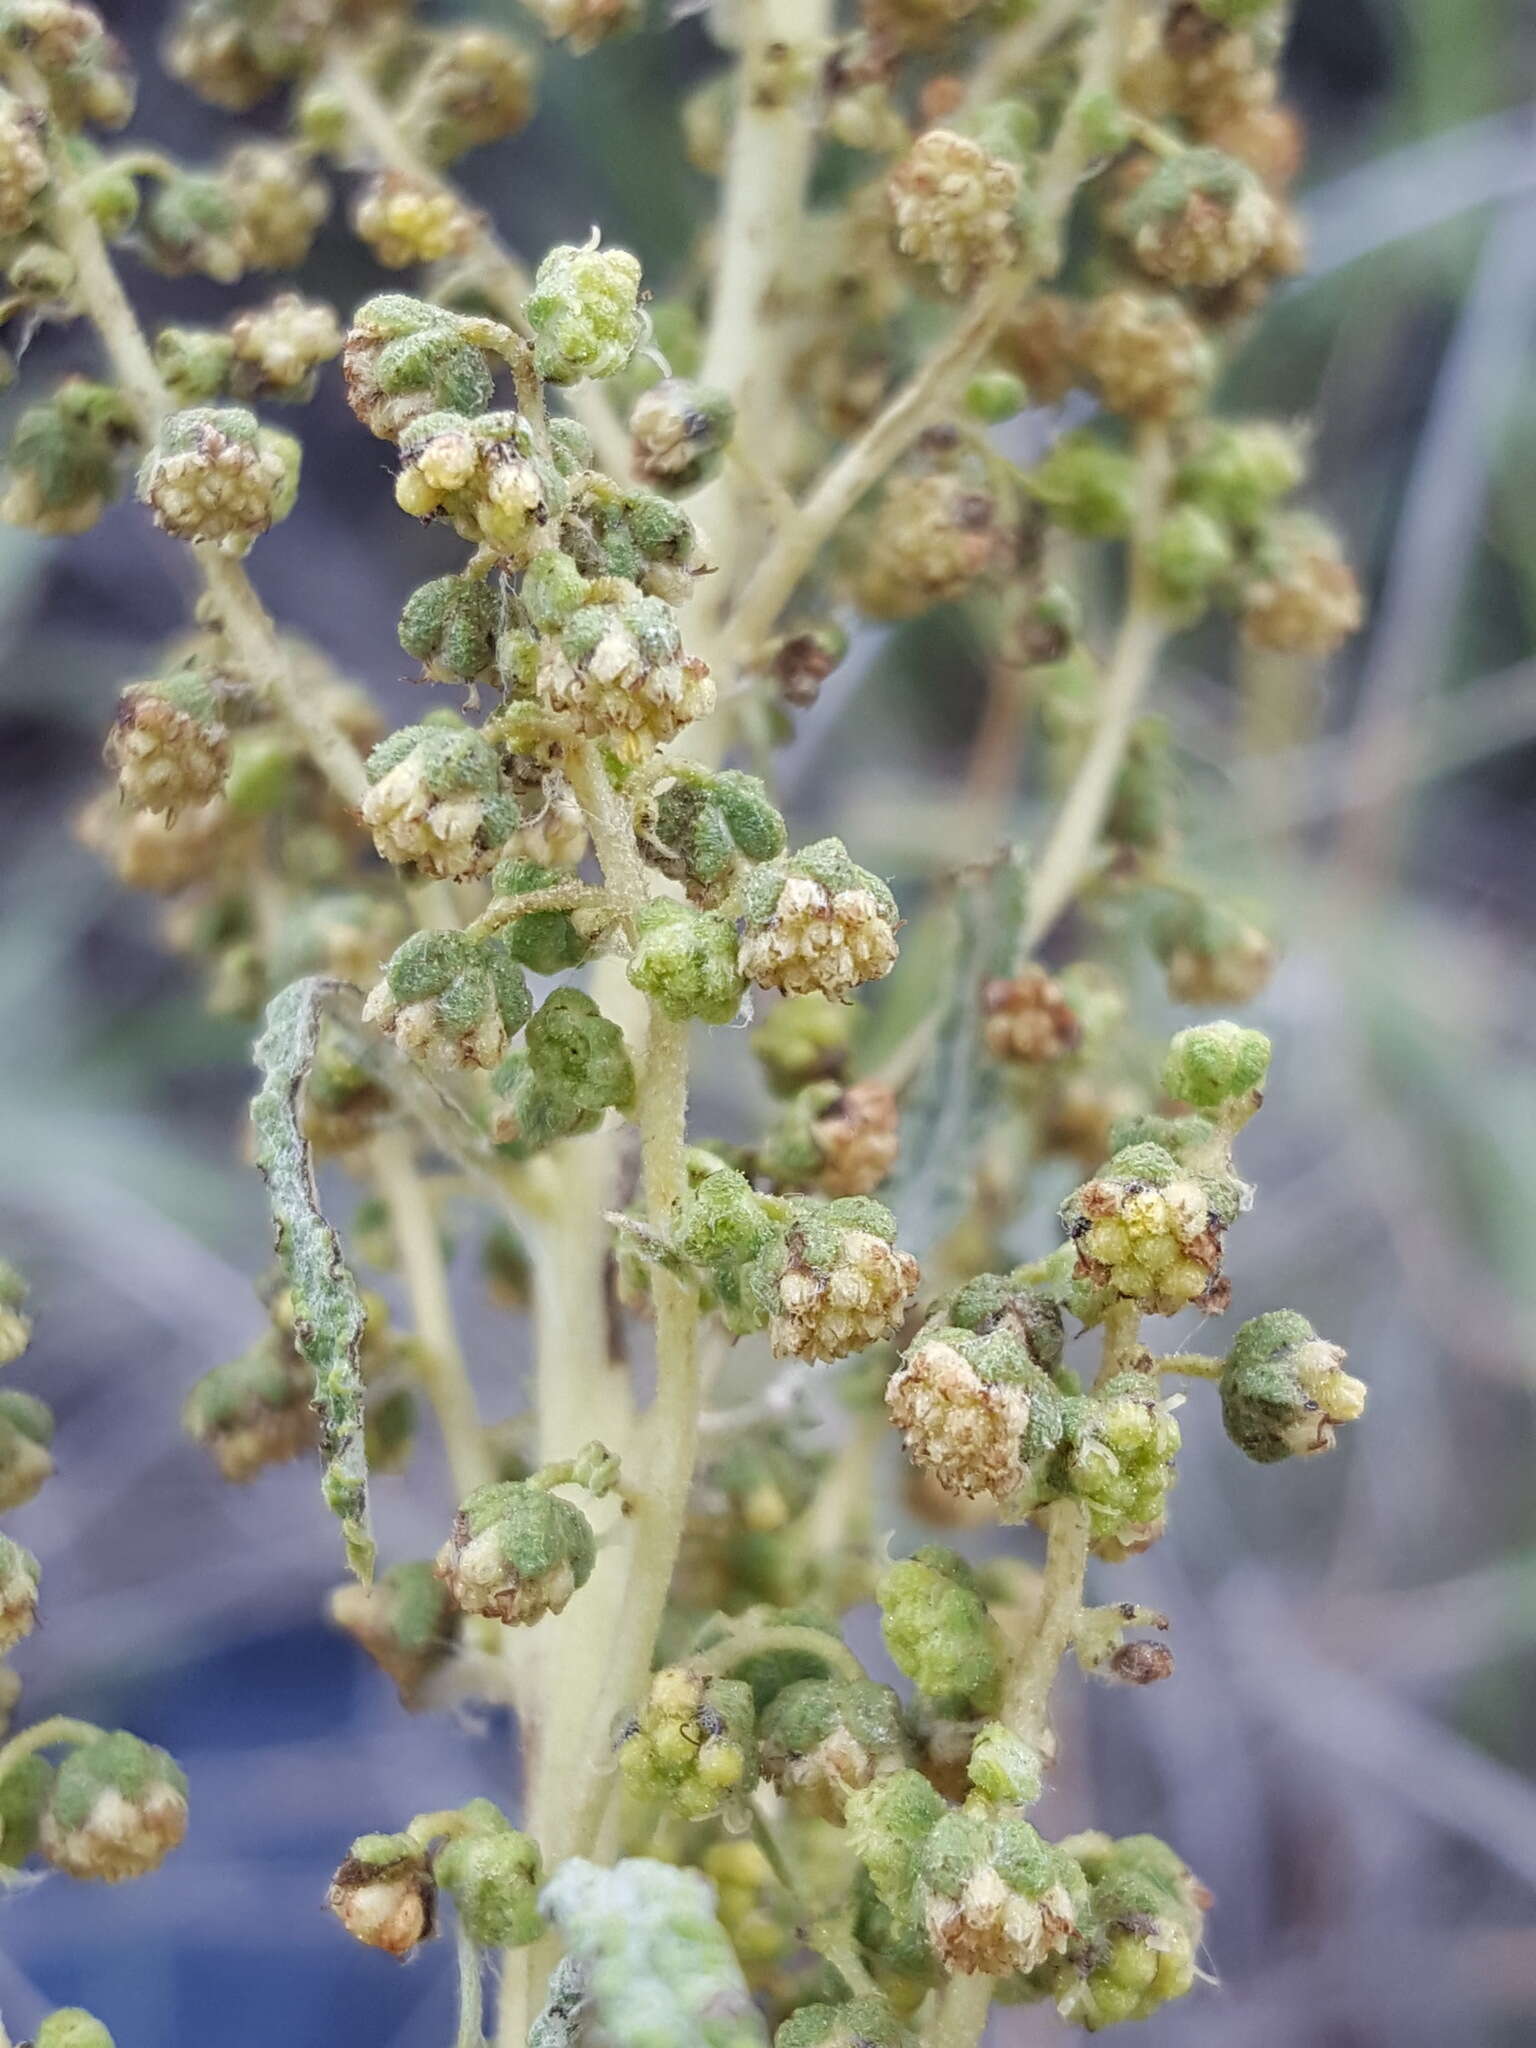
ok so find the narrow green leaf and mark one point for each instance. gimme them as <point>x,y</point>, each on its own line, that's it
<point>327,1311</point>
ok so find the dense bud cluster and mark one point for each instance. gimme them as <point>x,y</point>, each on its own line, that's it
<point>116,1809</point>
<point>817,922</point>
<point>692,1747</point>
<point>516,1553</point>
<point>954,204</point>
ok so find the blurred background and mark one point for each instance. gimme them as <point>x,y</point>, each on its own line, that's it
<point>1344,1752</point>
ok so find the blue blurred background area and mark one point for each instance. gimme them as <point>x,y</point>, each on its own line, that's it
<point>1344,1753</point>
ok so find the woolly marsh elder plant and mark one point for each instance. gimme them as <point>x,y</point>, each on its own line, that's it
<point>486,947</point>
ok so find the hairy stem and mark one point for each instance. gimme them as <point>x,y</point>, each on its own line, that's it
<point>471,2023</point>
<point>49,1734</point>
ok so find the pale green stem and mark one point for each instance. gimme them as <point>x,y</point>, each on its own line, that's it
<point>1068,853</point>
<point>252,637</point>
<point>440,1363</point>
<point>751,1639</point>
<point>49,1734</point>
<point>1192,1365</point>
<point>471,1990</point>
<point>962,2016</point>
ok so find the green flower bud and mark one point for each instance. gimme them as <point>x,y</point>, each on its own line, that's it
<point>18,1593</point>
<point>1211,953</point>
<point>1214,1063</point>
<point>679,432</point>
<point>993,396</point>
<point>620,672</point>
<point>255,1411</point>
<point>576,1066</point>
<point>584,311</point>
<point>23,167</point>
<point>823,1738</point>
<point>803,1039</point>
<point>1284,1391</point>
<point>1086,486</point>
<point>436,802</point>
<point>516,1553</point>
<point>938,1631</point>
<point>724,1222</point>
<point>277,349</point>
<point>1141,1928</point>
<point>195,363</point>
<point>384,1894</point>
<point>26,1459</point>
<point>978,1412</point>
<point>117,1809</point>
<point>1200,219</point>
<point>834,1282</point>
<point>888,1822</point>
<point>1149,356</point>
<point>553,587</point>
<point>1149,1231</point>
<point>1118,1461</point>
<point>493,1876</point>
<point>691,1748</point>
<point>191,227</point>
<point>406,1621</point>
<point>817,921</point>
<point>72,2027</point>
<point>15,1323</point>
<point>216,475</point>
<point>685,960</point>
<point>1238,471</point>
<point>1190,555</point>
<point>449,1000</point>
<point>547,941</point>
<point>64,458</point>
<point>1300,596</point>
<point>450,627</point>
<point>1003,1768</point>
<point>24,1793</point>
<point>406,218</point>
<point>994,1897</point>
<point>703,826</point>
<point>85,68</point>
<point>167,746</point>
<point>841,1141</point>
<point>860,2023</point>
<point>404,358</point>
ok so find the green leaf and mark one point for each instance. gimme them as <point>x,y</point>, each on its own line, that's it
<point>948,1108</point>
<point>327,1311</point>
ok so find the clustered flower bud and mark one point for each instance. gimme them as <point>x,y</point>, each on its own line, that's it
<point>1150,358</point>
<point>26,1437</point>
<point>404,358</point>
<point>492,1873</point>
<point>1139,1933</point>
<point>1284,1391</point>
<point>1118,1461</point>
<point>1210,1064</point>
<point>450,626</point>
<point>1148,1230</point>
<point>1201,219</point>
<point>684,959</point>
<point>480,474</point>
<point>1086,486</point>
<point>72,2027</point>
<point>691,1748</point>
<point>516,1553</point>
<point>937,1628</point>
<point>866,2022</point>
<point>255,1411</point>
<point>85,67</point>
<point>822,1738</point>
<point>406,1621</point>
<point>840,1141</point>
<point>1302,597</point>
<point>679,432</point>
<point>584,311</point>
<point>277,348</point>
<point>18,1593</point>
<point>23,166</point>
<point>805,1038</point>
<point>1028,1020</point>
<point>449,1000</point>
<point>702,826</point>
<point>167,745</point>
<point>436,803</point>
<point>976,1405</point>
<point>835,1282</point>
<point>933,536</point>
<point>955,207</point>
<point>216,475</point>
<point>384,1894</point>
<point>117,1808</point>
<point>235,54</point>
<point>475,87</point>
<point>994,1897</point>
<point>406,220</point>
<point>619,672</point>
<point>817,922</point>
<point>547,941</point>
<point>63,460</point>
<point>574,1067</point>
<point>1211,953</point>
